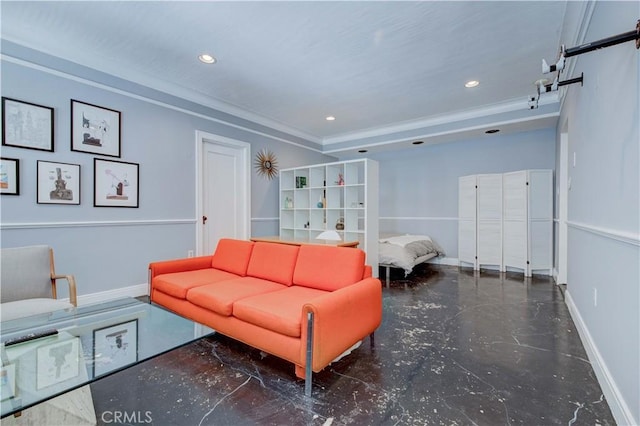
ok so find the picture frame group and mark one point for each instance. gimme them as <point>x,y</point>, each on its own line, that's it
<point>94,130</point>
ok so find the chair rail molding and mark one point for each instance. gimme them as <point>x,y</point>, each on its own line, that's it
<point>96,223</point>
<point>265,219</point>
<point>612,234</point>
<point>418,218</point>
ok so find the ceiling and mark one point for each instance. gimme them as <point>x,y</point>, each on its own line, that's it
<point>372,65</point>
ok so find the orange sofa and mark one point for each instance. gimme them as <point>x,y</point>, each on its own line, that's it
<point>306,304</point>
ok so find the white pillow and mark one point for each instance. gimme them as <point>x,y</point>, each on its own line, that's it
<point>403,240</point>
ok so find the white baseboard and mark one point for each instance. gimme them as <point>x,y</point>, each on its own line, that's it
<point>451,261</point>
<point>116,293</point>
<point>619,408</point>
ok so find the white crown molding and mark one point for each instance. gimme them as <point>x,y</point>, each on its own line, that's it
<point>193,96</point>
<point>152,82</point>
<point>487,111</point>
<point>71,77</point>
<point>426,136</point>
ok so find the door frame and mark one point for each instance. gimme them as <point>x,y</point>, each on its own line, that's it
<point>203,137</point>
<point>563,204</point>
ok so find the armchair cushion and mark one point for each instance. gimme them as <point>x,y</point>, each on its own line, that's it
<point>29,307</point>
<point>25,273</point>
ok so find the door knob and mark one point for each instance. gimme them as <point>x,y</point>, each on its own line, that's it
<point>204,219</point>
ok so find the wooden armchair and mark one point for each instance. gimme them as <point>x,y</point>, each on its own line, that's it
<point>28,283</point>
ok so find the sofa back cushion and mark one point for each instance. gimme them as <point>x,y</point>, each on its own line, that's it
<point>232,256</point>
<point>273,261</point>
<point>328,268</point>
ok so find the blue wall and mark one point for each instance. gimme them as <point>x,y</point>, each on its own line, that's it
<point>603,283</point>
<point>110,248</point>
<point>419,186</point>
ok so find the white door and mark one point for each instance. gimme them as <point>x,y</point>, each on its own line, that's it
<point>224,191</point>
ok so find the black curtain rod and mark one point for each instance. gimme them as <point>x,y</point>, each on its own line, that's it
<point>549,87</point>
<point>605,42</point>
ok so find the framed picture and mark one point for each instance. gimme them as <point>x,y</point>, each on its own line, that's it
<point>115,183</point>
<point>7,381</point>
<point>57,362</point>
<point>9,176</point>
<point>95,129</point>
<point>58,183</point>
<point>115,347</point>
<point>27,125</point>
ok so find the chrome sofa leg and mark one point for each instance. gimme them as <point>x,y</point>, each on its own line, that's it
<point>308,370</point>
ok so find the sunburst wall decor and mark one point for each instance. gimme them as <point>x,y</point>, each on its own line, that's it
<point>266,164</point>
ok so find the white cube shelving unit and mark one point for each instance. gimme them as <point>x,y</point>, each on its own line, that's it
<point>315,198</point>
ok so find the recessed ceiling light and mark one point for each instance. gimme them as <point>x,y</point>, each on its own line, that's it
<point>418,142</point>
<point>207,59</point>
<point>330,118</point>
<point>362,151</point>
<point>471,83</point>
<point>490,131</point>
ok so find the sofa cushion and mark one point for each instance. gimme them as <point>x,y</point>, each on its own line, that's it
<point>232,256</point>
<point>177,284</point>
<point>279,311</point>
<point>327,267</point>
<point>273,262</point>
<point>220,297</point>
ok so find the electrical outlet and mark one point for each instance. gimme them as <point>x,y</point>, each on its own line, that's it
<point>595,297</point>
<point>190,253</point>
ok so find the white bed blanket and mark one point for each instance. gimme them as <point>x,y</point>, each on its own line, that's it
<point>402,251</point>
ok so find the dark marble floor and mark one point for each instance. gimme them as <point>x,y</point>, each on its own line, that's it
<point>454,348</point>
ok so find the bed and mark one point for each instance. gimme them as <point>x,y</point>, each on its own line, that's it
<point>405,252</point>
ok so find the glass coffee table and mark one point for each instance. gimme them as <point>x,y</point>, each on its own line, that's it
<point>48,355</point>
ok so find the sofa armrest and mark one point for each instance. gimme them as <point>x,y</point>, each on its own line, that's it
<point>71,280</point>
<point>342,318</point>
<point>178,265</point>
<point>368,272</point>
